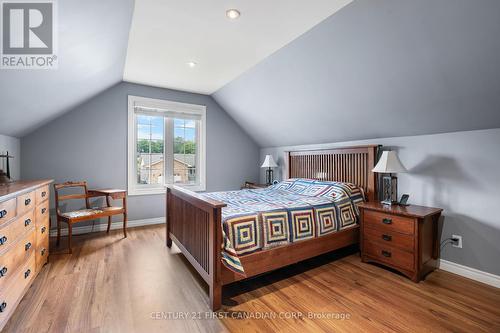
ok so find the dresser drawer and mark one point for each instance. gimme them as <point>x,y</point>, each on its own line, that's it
<point>10,232</point>
<point>15,258</point>
<point>25,202</point>
<point>42,194</point>
<point>42,211</point>
<point>390,255</point>
<point>42,253</point>
<point>42,242</point>
<point>7,210</point>
<point>13,292</point>
<point>42,229</point>
<point>388,222</point>
<point>390,238</point>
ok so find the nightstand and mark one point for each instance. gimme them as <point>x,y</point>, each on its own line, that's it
<point>404,238</point>
<point>248,185</point>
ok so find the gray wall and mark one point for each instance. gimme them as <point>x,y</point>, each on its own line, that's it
<point>90,143</point>
<point>429,66</point>
<point>455,171</point>
<point>13,146</point>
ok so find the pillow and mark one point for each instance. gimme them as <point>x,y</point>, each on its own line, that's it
<point>337,191</point>
<point>341,190</point>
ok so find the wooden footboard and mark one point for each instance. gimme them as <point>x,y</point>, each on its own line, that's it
<point>194,225</point>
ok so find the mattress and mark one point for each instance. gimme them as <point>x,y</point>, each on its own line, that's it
<point>291,211</point>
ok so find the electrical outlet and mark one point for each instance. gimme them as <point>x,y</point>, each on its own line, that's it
<point>458,242</point>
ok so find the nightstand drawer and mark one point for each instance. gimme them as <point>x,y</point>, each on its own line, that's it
<point>390,255</point>
<point>390,238</point>
<point>389,222</point>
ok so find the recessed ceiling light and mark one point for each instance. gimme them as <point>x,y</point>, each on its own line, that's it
<point>232,14</point>
<point>192,64</point>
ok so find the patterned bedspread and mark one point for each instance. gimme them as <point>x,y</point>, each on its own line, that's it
<point>291,211</point>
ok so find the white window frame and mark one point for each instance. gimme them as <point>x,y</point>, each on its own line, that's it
<point>163,107</point>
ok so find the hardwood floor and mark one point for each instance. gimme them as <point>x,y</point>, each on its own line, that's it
<point>111,284</point>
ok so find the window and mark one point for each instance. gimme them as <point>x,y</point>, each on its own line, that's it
<point>166,145</point>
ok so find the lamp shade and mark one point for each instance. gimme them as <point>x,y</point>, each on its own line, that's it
<point>269,162</point>
<point>389,163</point>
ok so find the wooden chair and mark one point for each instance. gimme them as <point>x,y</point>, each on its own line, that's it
<point>88,213</point>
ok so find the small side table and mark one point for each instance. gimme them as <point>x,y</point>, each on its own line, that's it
<point>114,194</point>
<point>250,185</point>
<point>404,238</point>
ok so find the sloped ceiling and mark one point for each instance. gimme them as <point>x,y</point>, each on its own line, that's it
<point>166,35</point>
<point>93,37</point>
<point>376,69</point>
<point>373,69</point>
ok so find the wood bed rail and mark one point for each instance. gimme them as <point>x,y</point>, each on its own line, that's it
<point>194,225</point>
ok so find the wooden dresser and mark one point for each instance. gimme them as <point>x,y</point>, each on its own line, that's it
<point>24,239</point>
<point>404,238</point>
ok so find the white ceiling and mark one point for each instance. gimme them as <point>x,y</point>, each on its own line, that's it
<point>167,34</point>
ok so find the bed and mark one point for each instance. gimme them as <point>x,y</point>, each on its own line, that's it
<point>230,236</point>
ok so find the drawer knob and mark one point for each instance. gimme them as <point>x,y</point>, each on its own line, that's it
<point>44,194</point>
<point>27,273</point>
<point>43,229</point>
<point>27,222</point>
<point>27,202</point>
<point>3,240</point>
<point>27,246</point>
<point>3,271</point>
<point>43,252</point>
<point>3,306</point>
<point>387,238</point>
<point>44,210</point>
<point>386,253</point>
<point>387,221</point>
<point>3,213</point>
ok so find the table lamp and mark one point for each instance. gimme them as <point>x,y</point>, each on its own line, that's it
<point>5,177</point>
<point>389,164</point>
<point>269,164</point>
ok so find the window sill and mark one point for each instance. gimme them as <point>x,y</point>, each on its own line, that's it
<point>162,190</point>
<point>145,191</point>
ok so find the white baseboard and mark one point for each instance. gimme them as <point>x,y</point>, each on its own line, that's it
<point>102,227</point>
<point>471,273</point>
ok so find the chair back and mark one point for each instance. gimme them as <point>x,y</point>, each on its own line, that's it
<point>66,185</point>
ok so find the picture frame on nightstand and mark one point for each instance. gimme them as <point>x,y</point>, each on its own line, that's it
<point>404,200</point>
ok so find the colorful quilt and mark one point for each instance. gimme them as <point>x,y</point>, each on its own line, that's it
<point>291,211</point>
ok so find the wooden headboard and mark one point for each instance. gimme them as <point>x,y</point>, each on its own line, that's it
<point>346,164</point>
